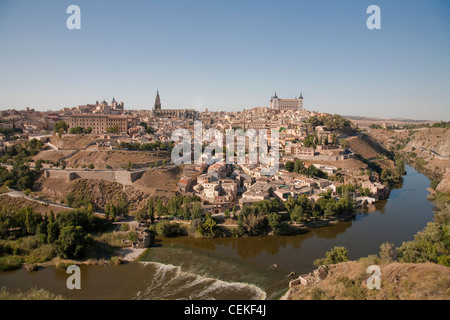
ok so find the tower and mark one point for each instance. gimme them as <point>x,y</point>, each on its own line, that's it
<point>157,101</point>
<point>274,102</point>
<point>300,102</point>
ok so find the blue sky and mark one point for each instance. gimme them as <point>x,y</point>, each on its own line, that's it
<point>229,55</point>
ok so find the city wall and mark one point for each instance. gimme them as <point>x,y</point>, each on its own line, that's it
<point>120,176</point>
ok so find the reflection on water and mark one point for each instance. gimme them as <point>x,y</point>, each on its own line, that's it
<point>394,220</point>
<point>189,268</point>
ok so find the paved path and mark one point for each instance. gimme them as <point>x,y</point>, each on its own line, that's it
<point>20,194</point>
<point>437,155</point>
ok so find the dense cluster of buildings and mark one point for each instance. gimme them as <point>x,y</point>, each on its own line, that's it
<point>220,185</point>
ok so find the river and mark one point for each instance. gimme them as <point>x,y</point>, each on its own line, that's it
<point>238,268</point>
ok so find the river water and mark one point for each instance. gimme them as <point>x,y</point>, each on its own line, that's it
<point>238,268</point>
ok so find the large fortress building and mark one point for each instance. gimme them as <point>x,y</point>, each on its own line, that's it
<point>286,104</point>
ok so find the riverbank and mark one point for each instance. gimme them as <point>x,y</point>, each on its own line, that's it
<point>131,254</point>
<point>395,220</point>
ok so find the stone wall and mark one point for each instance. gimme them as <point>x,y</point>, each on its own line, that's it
<point>120,176</point>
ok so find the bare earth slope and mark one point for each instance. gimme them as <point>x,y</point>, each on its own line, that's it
<point>399,281</point>
<point>428,147</point>
<point>115,159</point>
<point>72,142</point>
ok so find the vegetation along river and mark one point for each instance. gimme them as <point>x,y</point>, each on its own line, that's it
<point>238,268</point>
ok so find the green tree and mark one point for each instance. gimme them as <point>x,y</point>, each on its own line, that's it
<point>297,213</point>
<point>42,229</point>
<point>71,242</point>
<point>113,129</point>
<point>61,127</point>
<point>336,255</point>
<point>141,215</point>
<point>174,206</point>
<point>160,208</point>
<point>274,220</point>
<point>196,210</point>
<point>30,224</point>
<point>24,182</point>
<point>129,166</point>
<point>151,209</point>
<point>52,228</point>
<point>208,228</point>
<point>76,130</point>
<point>289,166</point>
<point>88,130</point>
<point>289,204</point>
<point>298,166</point>
<point>38,165</point>
<point>388,253</point>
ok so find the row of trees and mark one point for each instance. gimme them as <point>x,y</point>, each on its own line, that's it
<point>185,207</point>
<point>433,243</point>
<point>20,175</point>
<point>313,140</point>
<point>332,122</point>
<point>157,145</point>
<point>21,152</point>
<point>303,208</point>
<point>69,232</point>
<point>80,130</point>
<point>259,219</point>
<point>112,210</point>
<point>264,216</point>
<point>395,175</point>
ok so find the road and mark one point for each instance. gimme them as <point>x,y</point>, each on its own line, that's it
<point>19,194</point>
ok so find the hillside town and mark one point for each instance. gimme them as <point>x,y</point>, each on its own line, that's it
<point>316,144</point>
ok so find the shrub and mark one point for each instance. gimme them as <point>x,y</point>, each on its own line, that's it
<point>42,254</point>
<point>115,261</point>
<point>165,228</point>
<point>10,263</point>
<point>125,227</point>
<point>335,255</point>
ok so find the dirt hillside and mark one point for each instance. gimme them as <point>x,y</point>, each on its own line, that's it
<point>72,142</point>
<point>13,204</point>
<point>429,148</point>
<point>52,155</point>
<point>156,182</point>
<point>399,281</point>
<point>365,146</point>
<point>159,179</point>
<point>115,159</point>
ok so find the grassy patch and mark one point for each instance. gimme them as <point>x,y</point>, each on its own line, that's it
<point>41,254</point>
<point>32,294</point>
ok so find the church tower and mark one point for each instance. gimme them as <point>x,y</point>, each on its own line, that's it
<point>157,101</point>
<point>300,104</point>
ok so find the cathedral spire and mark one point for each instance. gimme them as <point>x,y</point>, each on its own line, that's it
<point>157,101</point>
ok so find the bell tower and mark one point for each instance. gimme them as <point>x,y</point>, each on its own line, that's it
<point>157,101</point>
